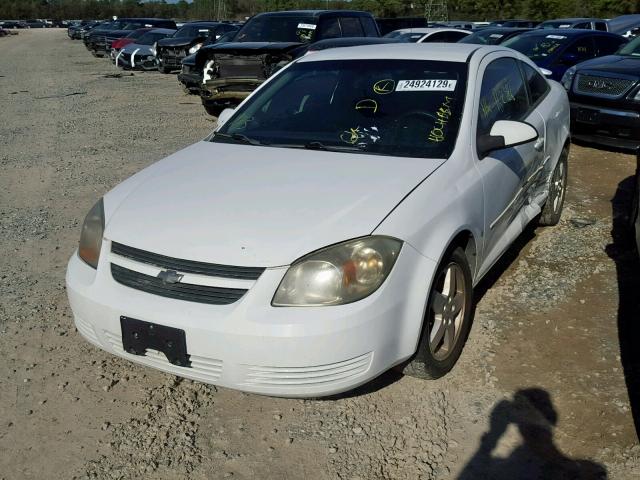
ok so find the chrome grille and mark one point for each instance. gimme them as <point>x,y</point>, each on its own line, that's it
<point>602,86</point>
<point>186,266</point>
<point>179,291</point>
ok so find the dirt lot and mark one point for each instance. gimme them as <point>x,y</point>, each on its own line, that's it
<point>540,390</point>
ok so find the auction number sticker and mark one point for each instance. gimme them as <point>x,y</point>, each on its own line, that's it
<point>307,26</point>
<point>426,85</point>
<point>556,37</point>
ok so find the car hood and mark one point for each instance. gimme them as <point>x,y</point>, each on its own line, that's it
<point>176,42</point>
<point>613,64</point>
<point>132,47</point>
<point>250,48</point>
<point>257,206</point>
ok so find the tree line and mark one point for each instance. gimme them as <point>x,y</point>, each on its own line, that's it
<point>478,10</point>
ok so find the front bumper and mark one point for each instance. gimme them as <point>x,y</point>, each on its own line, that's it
<point>252,346</point>
<point>136,61</point>
<point>191,81</point>
<point>234,89</point>
<point>611,127</point>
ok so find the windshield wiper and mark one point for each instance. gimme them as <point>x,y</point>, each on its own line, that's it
<point>315,145</point>
<point>238,137</point>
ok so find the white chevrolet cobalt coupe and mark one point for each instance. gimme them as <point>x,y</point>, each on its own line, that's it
<point>333,226</point>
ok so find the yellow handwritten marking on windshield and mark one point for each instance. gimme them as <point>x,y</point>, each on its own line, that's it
<point>367,104</point>
<point>437,133</point>
<point>383,87</point>
<point>351,136</point>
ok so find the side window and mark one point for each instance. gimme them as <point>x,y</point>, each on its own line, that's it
<point>503,95</point>
<point>607,45</point>
<point>538,85</point>
<point>351,27</point>
<point>601,26</point>
<point>330,28</point>
<point>369,26</point>
<point>583,26</point>
<point>582,49</point>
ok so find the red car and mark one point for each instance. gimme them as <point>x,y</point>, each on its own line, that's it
<point>120,43</point>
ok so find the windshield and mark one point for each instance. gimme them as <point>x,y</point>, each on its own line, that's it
<point>631,49</point>
<point>193,31</point>
<point>408,37</point>
<point>150,38</point>
<point>484,37</point>
<point>537,47</point>
<point>555,24</point>
<point>137,33</point>
<point>277,28</point>
<point>384,107</point>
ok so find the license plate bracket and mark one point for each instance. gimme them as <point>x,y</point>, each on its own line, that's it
<point>588,115</point>
<point>138,336</point>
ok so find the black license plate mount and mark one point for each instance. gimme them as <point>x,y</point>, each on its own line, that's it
<point>138,336</point>
<point>588,115</point>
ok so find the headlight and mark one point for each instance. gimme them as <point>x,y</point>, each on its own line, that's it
<point>567,78</point>
<point>91,235</point>
<point>195,48</point>
<point>339,274</point>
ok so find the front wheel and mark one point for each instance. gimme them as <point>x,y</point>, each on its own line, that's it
<point>552,209</point>
<point>447,319</point>
<point>164,70</point>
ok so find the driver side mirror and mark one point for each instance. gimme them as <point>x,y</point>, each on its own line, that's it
<point>505,134</point>
<point>224,116</point>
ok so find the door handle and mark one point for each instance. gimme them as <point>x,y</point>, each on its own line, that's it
<point>539,145</point>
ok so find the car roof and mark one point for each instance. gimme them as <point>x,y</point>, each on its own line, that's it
<point>425,30</point>
<point>576,19</point>
<point>567,32</point>
<point>453,52</point>
<point>163,30</point>
<point>311,13</point>
<point>504,29</point>
<point>202,22</point>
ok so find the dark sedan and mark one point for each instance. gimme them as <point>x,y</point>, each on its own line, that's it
<point>605,98</point>
<point>554,51</point>
<point>493,35</point>
<point>187,41</point>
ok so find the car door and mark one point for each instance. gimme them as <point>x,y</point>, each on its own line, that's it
<point>504,173</point>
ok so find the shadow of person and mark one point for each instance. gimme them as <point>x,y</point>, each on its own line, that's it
<point>623,252</point>
<point>537,457</point>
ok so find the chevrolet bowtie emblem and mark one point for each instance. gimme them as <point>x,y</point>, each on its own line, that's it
<point>170,277</point>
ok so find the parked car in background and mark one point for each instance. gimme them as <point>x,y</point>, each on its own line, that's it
<point>187,41</point>
<point>387,25</point>
<point>338,240</point>
<point>493,35</point>
<point>580,23</point>
<point>191,75</point>
<point>35,23</point>
<point>625,25</point>
<point>605,98</point>
<point>514,23</point>
<point>555,51</point>
<point>120,43</point>
<point>98,42</point>
<point>13,24</point>
<point>267,42</point>
<point>428,35</point>
<point>141,55</point>
<point>77,32</point>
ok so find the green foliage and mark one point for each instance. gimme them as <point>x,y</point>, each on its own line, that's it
<point>212,9</point>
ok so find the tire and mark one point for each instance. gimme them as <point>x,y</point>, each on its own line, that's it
<point>164,70</point>
<point>552,209</point>
<point>214,110</point>
<point>435,357</point>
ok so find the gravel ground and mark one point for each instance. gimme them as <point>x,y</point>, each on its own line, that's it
<point>539,391</point>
